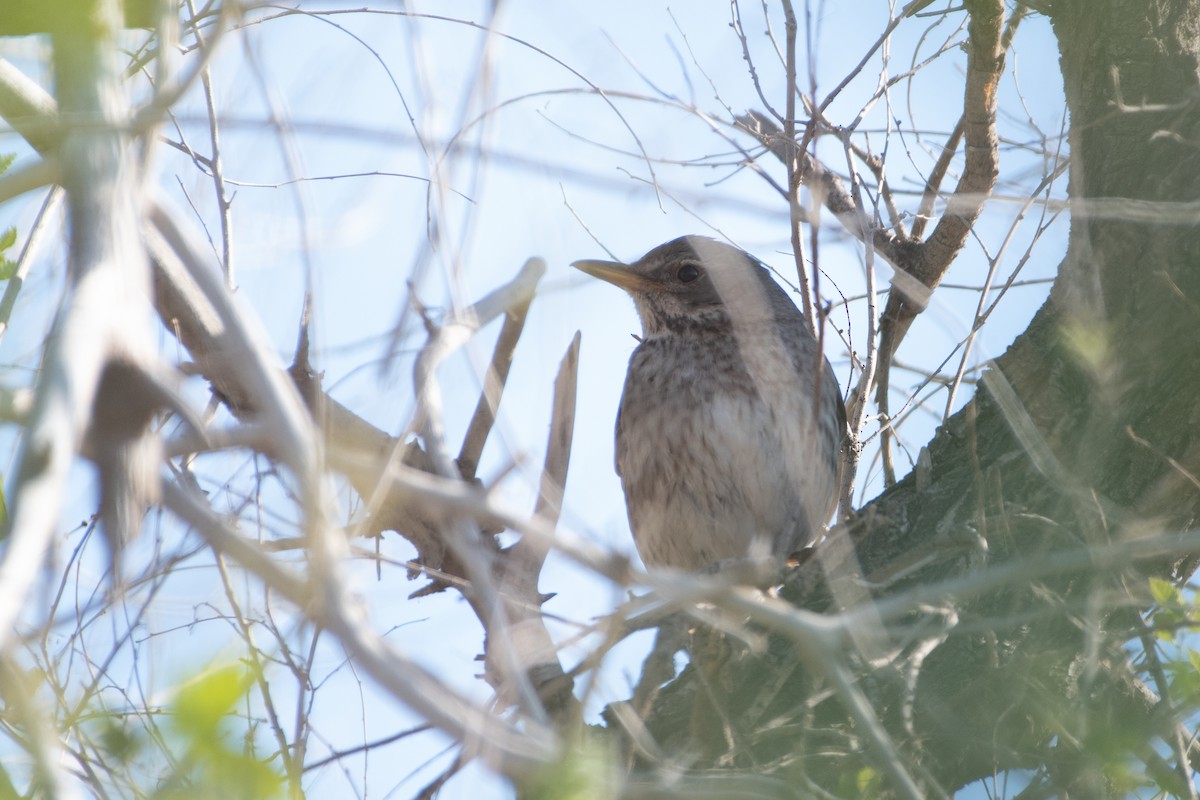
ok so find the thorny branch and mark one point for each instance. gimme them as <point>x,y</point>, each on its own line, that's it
<point>342,621</point>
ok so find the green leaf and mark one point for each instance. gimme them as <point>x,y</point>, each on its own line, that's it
<point>212,762</point>
<point>868,782</point>
<point>1164,592</point>
<point>203,703</point>
<point>1185,678</point>
<point>8,268</point>
<point>6,160</point>
<point>7,790</point>
<point>582,774</point>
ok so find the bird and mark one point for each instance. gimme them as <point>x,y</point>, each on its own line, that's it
<point>731,430</point>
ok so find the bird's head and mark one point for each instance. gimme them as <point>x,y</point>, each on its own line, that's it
<point>692,282</point>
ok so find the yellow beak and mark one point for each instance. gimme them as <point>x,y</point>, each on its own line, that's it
<point>616,273</point>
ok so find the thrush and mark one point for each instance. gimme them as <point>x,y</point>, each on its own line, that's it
<point>731,424</point>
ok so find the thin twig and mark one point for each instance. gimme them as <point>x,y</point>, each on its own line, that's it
<point>827,185</point>
<point>511,751</point>
<point>24,261</point>
<point>216,169</point>
<point>933,183</point>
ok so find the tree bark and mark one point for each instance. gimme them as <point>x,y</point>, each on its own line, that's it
<point>1076,464</point>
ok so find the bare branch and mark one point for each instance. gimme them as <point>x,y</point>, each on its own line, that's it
<point>828,185</point>
<point>493,388</point>
<point>793,155</point>
<point>224,203</point>
<point>29,109</point>
<point>523,564</point>
<point>934,183</point>
<point>463,534</point>
<point>228,344</point>
<point>985,63</point>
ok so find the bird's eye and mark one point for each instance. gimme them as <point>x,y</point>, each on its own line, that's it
<point>688,273</point>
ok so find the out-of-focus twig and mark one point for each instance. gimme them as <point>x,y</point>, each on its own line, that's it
<point>107,286</point>
<point>32,241</point>
<point>493,387</point>
<point>31,111</point>
<point>41,740</point>
<point>512,752</point>
<point>463,534</point>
